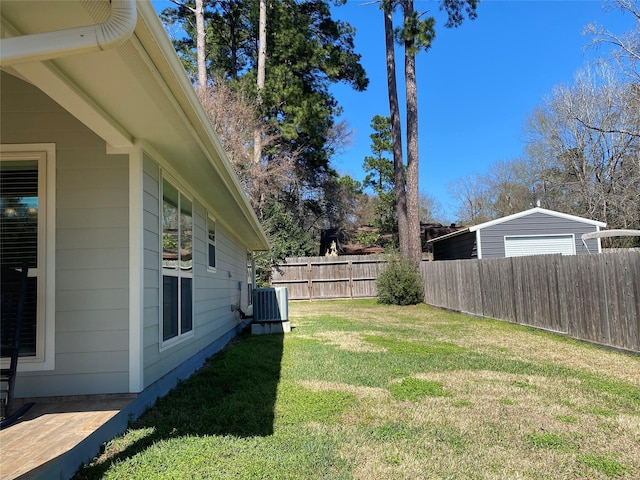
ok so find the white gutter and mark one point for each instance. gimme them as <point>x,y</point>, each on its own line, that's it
<point>46,46</point>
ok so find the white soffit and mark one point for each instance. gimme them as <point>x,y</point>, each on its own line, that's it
<point>135,93</point>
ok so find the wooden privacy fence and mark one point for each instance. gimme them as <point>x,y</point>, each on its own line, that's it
<point>315,278</point>
<point>588,297</point>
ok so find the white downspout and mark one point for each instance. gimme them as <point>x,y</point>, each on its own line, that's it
<point>46,46</point>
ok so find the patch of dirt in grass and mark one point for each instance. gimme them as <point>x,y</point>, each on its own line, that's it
<point>350,341</point>
<point>534,347</point>
<point>486,430</point>
<point>533,401</point>
<point>490,448</point>
<point>435,456</point>
<point>523,345</point>
<point>358,391</point>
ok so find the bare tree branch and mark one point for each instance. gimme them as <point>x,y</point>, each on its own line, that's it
<point>603,130</point>
<point>184,5</point>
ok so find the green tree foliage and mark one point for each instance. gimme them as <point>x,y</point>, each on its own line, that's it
<point>379,168</point>
<point>288,238</point>
<point>400,283</point>
<point>380,175</point>
<point>229,44</point>
<point>307,51</point>
<point>342,196</point>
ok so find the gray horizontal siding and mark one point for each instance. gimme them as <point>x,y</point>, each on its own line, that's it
<point>95,258</point>
<point>78,383</point>
<point>97,320</point>
<point>492,238</point>
<point>94,198</point>
<point>214,291</point>
<point>151,275</point>
<point>93,238</point>
<point>91,298</point>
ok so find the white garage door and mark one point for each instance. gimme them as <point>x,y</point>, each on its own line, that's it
<point>539,245</point>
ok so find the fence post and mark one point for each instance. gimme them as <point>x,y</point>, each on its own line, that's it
<point>350,265</point>
<point>607,307</point>
<point>309,280</point>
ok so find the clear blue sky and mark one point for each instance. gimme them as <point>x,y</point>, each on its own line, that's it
<point>476,85</point>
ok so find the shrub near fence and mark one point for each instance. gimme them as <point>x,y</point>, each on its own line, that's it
<point>315,278</point>
<point>588,297</point>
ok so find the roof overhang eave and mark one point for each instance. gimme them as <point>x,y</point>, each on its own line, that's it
<point>195,138</point>
<point>450,235</point>
<point>155,41</point>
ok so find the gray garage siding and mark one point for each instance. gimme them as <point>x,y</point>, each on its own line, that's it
<point>492,237</point>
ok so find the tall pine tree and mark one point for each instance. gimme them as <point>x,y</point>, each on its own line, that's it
<point>416,34</point>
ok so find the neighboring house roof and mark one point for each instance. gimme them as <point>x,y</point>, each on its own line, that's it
<point>518,215</point>
<point>133,94</point>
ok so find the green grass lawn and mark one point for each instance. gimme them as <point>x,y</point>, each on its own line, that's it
<point>367,391</point>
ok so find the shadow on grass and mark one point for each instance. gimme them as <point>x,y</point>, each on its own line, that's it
<point>234,393</point>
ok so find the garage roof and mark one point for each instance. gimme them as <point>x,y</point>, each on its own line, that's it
<point>524,213</point>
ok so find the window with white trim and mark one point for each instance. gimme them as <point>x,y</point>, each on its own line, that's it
<point>211,242</point>
<point>27,194</point>
<point>177,263</point>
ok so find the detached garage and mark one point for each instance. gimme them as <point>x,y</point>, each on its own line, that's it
<point>532,232</point>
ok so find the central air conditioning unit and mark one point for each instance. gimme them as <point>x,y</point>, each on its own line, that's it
<point>270,310</point>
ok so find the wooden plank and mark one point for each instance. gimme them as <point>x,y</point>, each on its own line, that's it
<point>536,291</point>
<point>621,284</point>
<point>470,300</point>
<point>329,280</point>
<point>298,291</point>
<point>497,289</point>
<point>585,315</point>
<point>364,288</point>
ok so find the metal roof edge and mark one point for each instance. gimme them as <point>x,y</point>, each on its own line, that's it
<point>449,235</point>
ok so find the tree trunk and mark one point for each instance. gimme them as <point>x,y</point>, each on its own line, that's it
<point>200,48</point>
<point>411,92</point>
<point>398,166</point>
<point>262,58</point>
